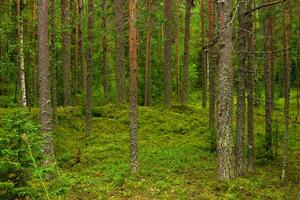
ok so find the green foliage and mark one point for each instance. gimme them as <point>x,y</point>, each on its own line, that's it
<point>16,166</point>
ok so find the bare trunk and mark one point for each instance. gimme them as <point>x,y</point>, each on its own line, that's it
<point>23,99</point>
<point>241,76</point>
<point>186,56</point>
<point>89,70</point>
<point>133,86</point>
<point>168,41</point>
<point>212,63</point>
<point>178,83</point>
<point>286,20</point>
<point>268,82</point>
<point>81,78</point>
<point>203,55</point>
<point>120,67</point>
<point>148,84</point>
<point>226,169</point>
<point>45,94</point>
<point>250,95</point>
<point>65,53</point>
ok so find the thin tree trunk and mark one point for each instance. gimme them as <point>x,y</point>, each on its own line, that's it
<point>148,84</point>
<point>168,42</point>
<point>21,55</point>
<point>186,56</point>
<point>53,59</point>
<point>81,78</point>
<point>241,76</point>
<point>250,95</point>
<point>268,82</point>
<point>203,55</point>
<point>106,83</point>
<point>89,70</point>
<point>178,84</point>
<point>66,53</point>
<point>45,94</point>
<point>133,86</point>
<point>34,87</point>
<point>212,63</point>
<point>120,61</point>
<point>286,28</point>
<point>226,169</point>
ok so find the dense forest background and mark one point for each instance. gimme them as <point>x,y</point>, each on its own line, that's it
<point>148,99</point>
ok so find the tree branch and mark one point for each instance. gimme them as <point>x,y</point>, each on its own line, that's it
<point>264,5</point>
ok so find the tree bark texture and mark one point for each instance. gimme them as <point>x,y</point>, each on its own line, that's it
<point>226,168</point>
<point>133,86</point>
<point>203,55</point>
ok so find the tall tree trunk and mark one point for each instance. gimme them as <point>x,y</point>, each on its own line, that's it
<point>89,70</point>
<point>168,42</point>
<point>148,84</point>
<point>106,83</point>
<point>66,62</point>
<point>241,76</point>
<point>120,65</point>
<point>23,100</point>
<point>186,56</point>
<point>178,83</point>
<point>286,28</point>
<point>45,94</point>
<point>226,169</point>
<point>53,59</point>
<point>203,55</point>
<point>81,78</point>
<point>268,81</point>
<point>34,84</point>
<point>212,63</point>
<point>133,86</point>
<point>250,90</point>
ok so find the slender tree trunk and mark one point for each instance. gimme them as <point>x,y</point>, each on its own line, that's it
<point>203,55</point>
<point>81,78</point>
<point>45,94</point>
<point>178,84</point>
<point>212,63</point>
<point>34,84</point>
<point>186,56</point>
<point>53,59</point>
<point>268,81</point>
<point>89,70</point>
<point>226,169</point>
<point>286,28</point>
<point>148,84</point>
<point>106,83</point>
<point>66,53</point>
<point>76,60</point>
<point>250,87</point>
<point>133,86</point>
<point>21,55</point>
<point>120,65</point>
<point>241,76</point>
<point>27,59</point>
<point>168,42</point>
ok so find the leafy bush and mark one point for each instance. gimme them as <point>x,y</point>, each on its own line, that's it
<point>16,165</point>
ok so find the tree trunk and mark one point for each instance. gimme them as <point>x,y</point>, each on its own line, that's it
<point>241,76</point>
<point>89,70</point>
<point>286,28</point>
<point>53,60</point>
<point>66,53</point>
<point>212,63</point>
<point>21,55</point>
<point>45,94</point>
<point>268,81</point>
<point>203,55</point>
<point>250,89</point>
<point>106,83</point>
<point>226,169</point>
<point>81,78</point>
<point>148,84</point>
<point>186,56</point>
<point>133,86</point>
<point>168,42</point>
<point>120,68</point>
<point>178,83</point>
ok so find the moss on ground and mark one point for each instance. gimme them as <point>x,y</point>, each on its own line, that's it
<point>175,156</point>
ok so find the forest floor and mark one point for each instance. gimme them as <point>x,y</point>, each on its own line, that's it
<point>176,160</point>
